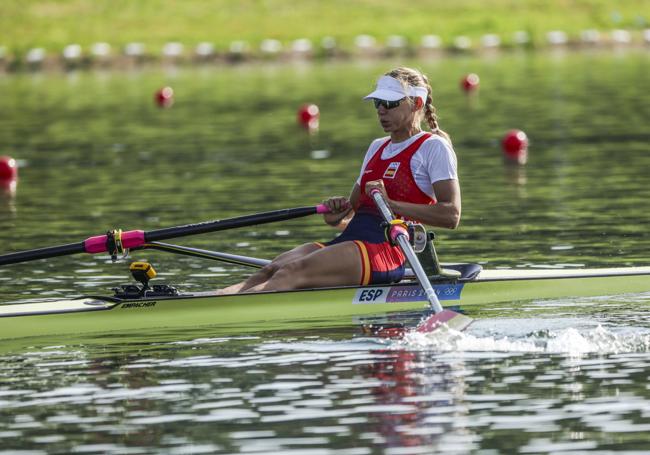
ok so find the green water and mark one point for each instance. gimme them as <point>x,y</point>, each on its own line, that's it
<point>96,153</point>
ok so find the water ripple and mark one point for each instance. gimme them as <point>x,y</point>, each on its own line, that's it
<point>570,341</point>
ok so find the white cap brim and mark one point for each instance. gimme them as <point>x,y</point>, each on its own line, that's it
<point>390,89</point>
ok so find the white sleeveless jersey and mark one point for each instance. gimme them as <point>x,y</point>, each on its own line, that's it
<point>435,160</point>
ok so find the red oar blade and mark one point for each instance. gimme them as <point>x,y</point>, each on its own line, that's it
<point>451,319</point>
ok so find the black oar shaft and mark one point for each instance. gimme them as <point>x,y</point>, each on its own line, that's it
<point>133,239</point>
<point>229,223</point>
<point>42,253</point>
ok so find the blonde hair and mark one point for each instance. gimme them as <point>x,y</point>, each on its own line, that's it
<point>412,77</point>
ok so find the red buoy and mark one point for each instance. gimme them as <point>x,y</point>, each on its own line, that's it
<point>164,97</point>
<point>470,82</point>
<point>308,116</point>
<point>8,169</point>
<point>515,146</point>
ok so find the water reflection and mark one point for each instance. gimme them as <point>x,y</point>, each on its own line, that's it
<point>322,390</point>
<point>418,402</point>
<point>515,175</point>
<point>8,197</point>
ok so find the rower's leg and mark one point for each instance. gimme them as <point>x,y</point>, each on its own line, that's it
<point>335,265</point>
<point>266,272</point>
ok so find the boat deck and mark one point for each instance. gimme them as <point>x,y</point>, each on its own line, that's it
<point>94,314</point>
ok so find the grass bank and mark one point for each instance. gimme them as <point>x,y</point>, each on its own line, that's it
<point>53,24</point>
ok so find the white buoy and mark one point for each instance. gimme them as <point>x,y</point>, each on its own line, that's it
<point>320,154</point>
<point>366,45</point>
<point>172,50</point>
<point>271,47</point>
<point>365,42</point>
<point>72,52</point>
<point>557,38</point>
<point>329,46</point>
<point>590,36</point>
<point>396,42</point>
<point>134,50</point>
<point>490,41</point>
<point>302,47</point>
<point>462,43</point>
<point>431,42</point>
<point>204,50</point>
<point>328,43</point>
<point>621,37</point>
<point>100,50</point>
<point>521,38</point>
<point>35,56</point>
<point>238,50</point>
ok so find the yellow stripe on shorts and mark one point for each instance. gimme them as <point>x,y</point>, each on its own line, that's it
<point>365,263</point>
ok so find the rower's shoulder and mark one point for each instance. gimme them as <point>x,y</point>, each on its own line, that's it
<point>376,144</point>
<point>379,140</point>
<point>436,145</point>
<point>436,141</point>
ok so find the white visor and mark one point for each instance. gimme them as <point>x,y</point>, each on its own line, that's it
<point>390,89</point>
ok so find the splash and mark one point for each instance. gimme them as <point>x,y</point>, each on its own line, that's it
<point>572,341</point>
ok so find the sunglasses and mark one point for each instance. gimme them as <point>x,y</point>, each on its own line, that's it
<point>387,104</point>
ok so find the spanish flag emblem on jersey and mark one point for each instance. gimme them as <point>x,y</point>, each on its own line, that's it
<point>391,170</point>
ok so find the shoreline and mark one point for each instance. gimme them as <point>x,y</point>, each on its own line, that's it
<point>174,54</point>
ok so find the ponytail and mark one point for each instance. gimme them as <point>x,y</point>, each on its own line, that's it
<point>430,113</point>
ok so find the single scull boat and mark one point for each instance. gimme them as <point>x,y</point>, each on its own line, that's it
<point>142,307</point>
<point>164,306</point>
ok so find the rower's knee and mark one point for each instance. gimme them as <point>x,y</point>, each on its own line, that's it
<point>289,276</point>
<point>267,272</point>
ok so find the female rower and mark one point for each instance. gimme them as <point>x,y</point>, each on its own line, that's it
<point>416,173</point>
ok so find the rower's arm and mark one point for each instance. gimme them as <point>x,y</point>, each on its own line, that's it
<point>445,213</point>
<point>340,218</point>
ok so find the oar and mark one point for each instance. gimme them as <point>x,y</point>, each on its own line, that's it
<point>228,258</point>
<point>133,239</point>
<point>400,235</point>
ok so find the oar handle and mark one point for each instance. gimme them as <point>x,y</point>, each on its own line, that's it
<point>322,209</point>
<point>130,239</point>
<point>399,234</point>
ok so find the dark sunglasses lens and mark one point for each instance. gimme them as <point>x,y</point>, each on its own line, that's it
<point>386,104</point>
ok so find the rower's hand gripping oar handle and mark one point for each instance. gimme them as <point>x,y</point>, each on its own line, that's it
<point>322,209</point>
<point>400,235</point>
